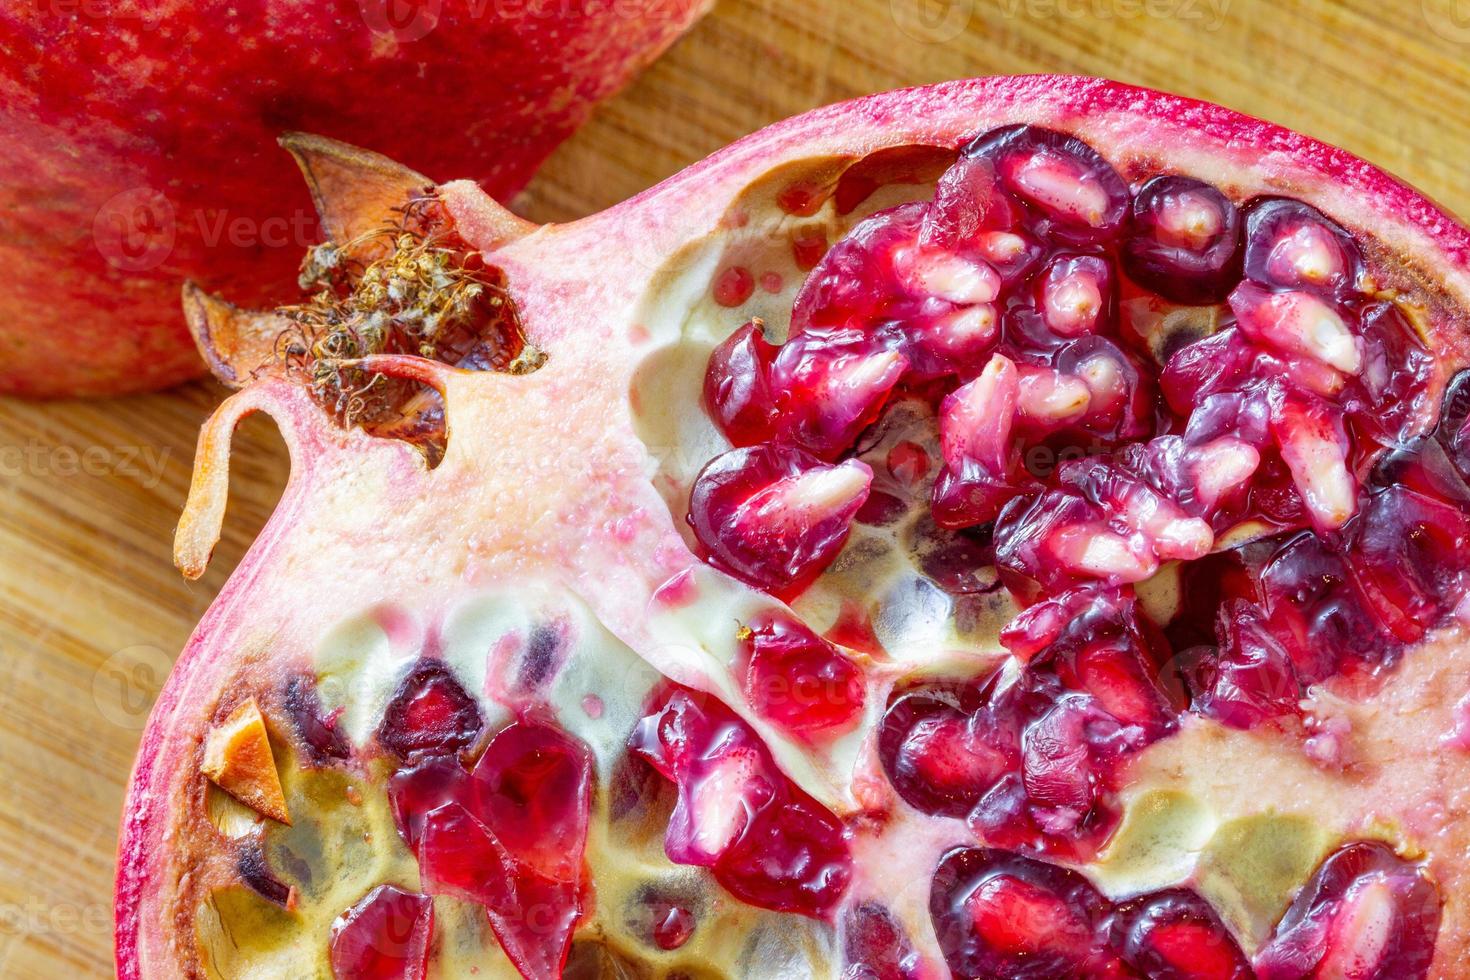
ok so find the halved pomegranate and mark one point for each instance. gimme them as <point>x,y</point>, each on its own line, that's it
<point>1056,568</point>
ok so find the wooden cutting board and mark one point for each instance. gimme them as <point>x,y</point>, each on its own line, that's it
<point>91,608</point>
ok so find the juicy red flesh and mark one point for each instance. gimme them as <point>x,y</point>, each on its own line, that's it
<point>383,937</point>
<point>1176,935</point>
<point>1184,243</point>
<point>509,834</point>
<point>1367,914</point>
<point>998,914</point>
<point>766,841</point>
<point>774,515</point>
<point>798,680</point>
<point>429,714</point>
<point>875,946</point>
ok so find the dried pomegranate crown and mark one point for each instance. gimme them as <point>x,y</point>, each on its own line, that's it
<point>1016,528</point>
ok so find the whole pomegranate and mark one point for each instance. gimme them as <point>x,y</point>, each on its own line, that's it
<point>139,151</point>
<point>1011,529</point>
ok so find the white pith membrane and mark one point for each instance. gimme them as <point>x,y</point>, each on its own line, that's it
<point>1237,816</point>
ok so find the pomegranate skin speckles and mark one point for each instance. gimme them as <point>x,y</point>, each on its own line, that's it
<point>767,842</point>
<point>383,937</point>
<point>798,680</point>
<point>998,914</point>
<point>1176,935</point>
<point>775,516</point>
<point>1184,242</point>
<point>1367,914</point>
<point>1289,244</point>
<point>1081,197</point>
<point>429,714</point>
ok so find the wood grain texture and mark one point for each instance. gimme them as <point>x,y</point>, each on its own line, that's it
<point>91,609</point>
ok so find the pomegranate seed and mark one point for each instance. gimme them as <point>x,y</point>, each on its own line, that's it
<point>429,714</point>
<point>1185,241</point>
<point>1315,448</point>
<point>767,842</point>
<point>975,441</point>
<point>533,787</point>
<point>940,758</point>
<point>1075,295</point>
<point>798,680</point>
<point>1297,322</point>
<point>1254,679</point>
<point>1176,935</point>
<point>832,385</point>
<point>384,937</point>
<point>324,742</point>
<point>737,386</point>
<point>946,275</point>
<point>1121,394</point>
<point>1048,399</point>
<point>775,516</point>
<point>998,914</point>
<point>1084,199</point>
<point>459,856</point>
<point>416,792</point>
<point>968,200</point>
<point>1366,914</point>
<point>1407,549</point>
<point>875,946</point>
<point>1291,244</point>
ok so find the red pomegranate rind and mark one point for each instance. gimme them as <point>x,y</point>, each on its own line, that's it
<point>587,536</point>
<point>384,937</point>
<point>1175,935</point>
<point>1367,914</point>
<point>998,914</point>
<point>767,842</point>
<point>798,680</point>
<point>774,515</point>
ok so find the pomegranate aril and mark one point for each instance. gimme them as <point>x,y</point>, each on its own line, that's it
<point>1083,199</point>
<point>1316,449</point>
<point>968,200</point>
<point>429,714</point>
<point>831,385</point>
<point>1366,914</point>
<point>1395,375</point>
<point>798,680</point>
<point>1184,242</point>
<point>1048,399</point>
<point>1290,244</point>
<point>383,937</point>
<point>975,441</point>
<point>459,856</point>
<point>533,788</point>
<point>998,914</point>
<point>1074,295</point>
<point>1176,935</point>
<point>774,515</point>
<point>1297,323</point>
<point>415,792</point>
<point>875,946</point>
<point>766,841</point>
<point>1253,678</point>
<point>1121,394</point>
<point>855,281</point>
<point>672,925</point>
<point>737,386</point>
<point>945,275</point>
<point>1316,612</point>
<point>1408,550</point>
<point>940,758</point>
<point>324,742</point>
